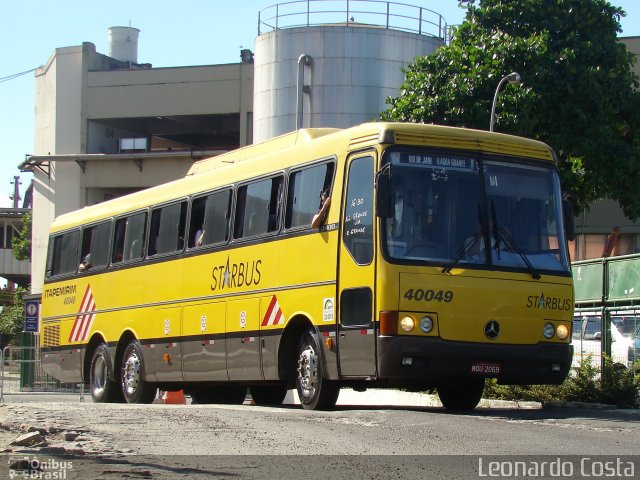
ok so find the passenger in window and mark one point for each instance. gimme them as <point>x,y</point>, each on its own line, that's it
<point>199,237</point>
<point>321,216</point>
<point>85,264</point>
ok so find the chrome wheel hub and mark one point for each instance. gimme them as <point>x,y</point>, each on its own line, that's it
<point>308,371</point>
<point>131,373</point>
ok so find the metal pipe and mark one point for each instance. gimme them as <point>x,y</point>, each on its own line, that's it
<point>303,60</point>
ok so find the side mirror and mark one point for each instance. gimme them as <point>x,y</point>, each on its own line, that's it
<point>569,220</point>
<point>597,336</point>
<point>384,203</point>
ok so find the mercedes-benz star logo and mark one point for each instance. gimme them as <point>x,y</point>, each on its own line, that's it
<point>492,330</point>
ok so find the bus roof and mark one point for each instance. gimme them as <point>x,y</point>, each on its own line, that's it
<point>269,156</point>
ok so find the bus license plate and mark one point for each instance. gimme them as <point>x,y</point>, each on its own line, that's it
<point>486,368</point>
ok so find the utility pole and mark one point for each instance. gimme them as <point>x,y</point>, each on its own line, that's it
<point>16,191</point>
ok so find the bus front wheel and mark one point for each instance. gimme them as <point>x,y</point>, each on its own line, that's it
<point>104,388</point>
<point>460,395</point>
<point>315,391</point>
<point>134,386</point>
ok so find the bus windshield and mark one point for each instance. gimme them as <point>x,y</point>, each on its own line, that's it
<point>448,207</point>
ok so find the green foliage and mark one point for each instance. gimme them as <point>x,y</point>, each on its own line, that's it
<point>616,385</point>
<point>21,245</point>
<point>12,318</point>
<point>578,91</point>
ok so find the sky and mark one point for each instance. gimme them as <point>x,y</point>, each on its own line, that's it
<point>187,32</point>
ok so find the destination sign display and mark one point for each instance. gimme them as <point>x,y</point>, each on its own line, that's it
<point>433,160</point>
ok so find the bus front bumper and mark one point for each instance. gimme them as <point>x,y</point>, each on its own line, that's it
<point>433,360</point>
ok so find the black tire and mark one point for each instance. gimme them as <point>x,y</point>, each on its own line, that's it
<point>135,388</point>
<point>268,394</point>
<point>314,391</point>
<point>102,381</point>
<point>461,395</point>
<point>226,395</point>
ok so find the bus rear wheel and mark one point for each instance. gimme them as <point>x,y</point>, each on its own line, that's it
<point>461,395</point>
<point>268,394</point>
<point>134,386</point>
<point>104,388</point>
<point>227,395</point>
<point>314,391</point>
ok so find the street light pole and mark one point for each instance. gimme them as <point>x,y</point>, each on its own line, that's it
<point>513,77</point>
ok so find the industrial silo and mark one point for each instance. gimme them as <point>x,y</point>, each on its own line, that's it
<point>332,64</point>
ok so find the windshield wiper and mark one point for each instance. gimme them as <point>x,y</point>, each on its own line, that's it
<point>511,243</point>
<point>501,233</point>
<point>461,251</point>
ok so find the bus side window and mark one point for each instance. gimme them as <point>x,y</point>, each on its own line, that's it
<point>166,234</point>
<point>210,219</point>
<point>94,252</point>
<point>258,209</point>
<point>305,188</point>
<point>64,251</point>
<point>129,238</point>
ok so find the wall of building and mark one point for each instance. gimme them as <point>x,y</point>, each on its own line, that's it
<point>79,90</point>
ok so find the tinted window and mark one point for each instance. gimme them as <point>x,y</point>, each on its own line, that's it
<point>129,238</point>
<point>358,224</point>
<point>303,197</point>
<point>95,246</point>
<point>258,208</point>
<point>210,219</point>
<point>166,234</point>
<point>63,254</point>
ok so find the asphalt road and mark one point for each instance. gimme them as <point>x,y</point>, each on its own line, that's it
<point>354,441</point>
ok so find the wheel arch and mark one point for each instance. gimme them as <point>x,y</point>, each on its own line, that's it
<point>288,348</point>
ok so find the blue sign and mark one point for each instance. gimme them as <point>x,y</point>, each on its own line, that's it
<point>31,314</point>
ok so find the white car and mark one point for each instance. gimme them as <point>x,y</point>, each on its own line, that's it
<point>587,341</point>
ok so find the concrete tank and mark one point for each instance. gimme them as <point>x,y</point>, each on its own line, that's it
<point>123,44</point>
<point>330,75</point>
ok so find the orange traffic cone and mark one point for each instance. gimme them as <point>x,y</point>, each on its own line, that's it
<point>174,398</point>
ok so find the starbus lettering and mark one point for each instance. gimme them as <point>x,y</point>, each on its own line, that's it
<point>236,275</point>
<point>543,302</point>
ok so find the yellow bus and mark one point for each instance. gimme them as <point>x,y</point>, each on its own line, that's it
<point>439,261</point>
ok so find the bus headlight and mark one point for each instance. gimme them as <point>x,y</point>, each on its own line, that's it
<point>562,332</point>
<point>426,324</point>
<point>549,331</point>
<point>407,324</point>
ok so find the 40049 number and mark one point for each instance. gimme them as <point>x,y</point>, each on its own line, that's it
<point>429,295</point>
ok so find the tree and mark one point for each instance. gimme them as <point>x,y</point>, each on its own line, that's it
<point>578,92</point>
<point>21,245</point>
<point>12,319</point>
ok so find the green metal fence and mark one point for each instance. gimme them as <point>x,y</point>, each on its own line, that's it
<point>607,309</point>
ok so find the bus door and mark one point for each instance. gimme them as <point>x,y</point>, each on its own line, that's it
<point>356,328</point>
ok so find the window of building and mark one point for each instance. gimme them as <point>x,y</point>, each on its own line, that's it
<point>166,234</point>
<point>210,216</point>
<point>258,208</point>
<point>129,238</point>
<point>303,198</point>
<point>63,253</point>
